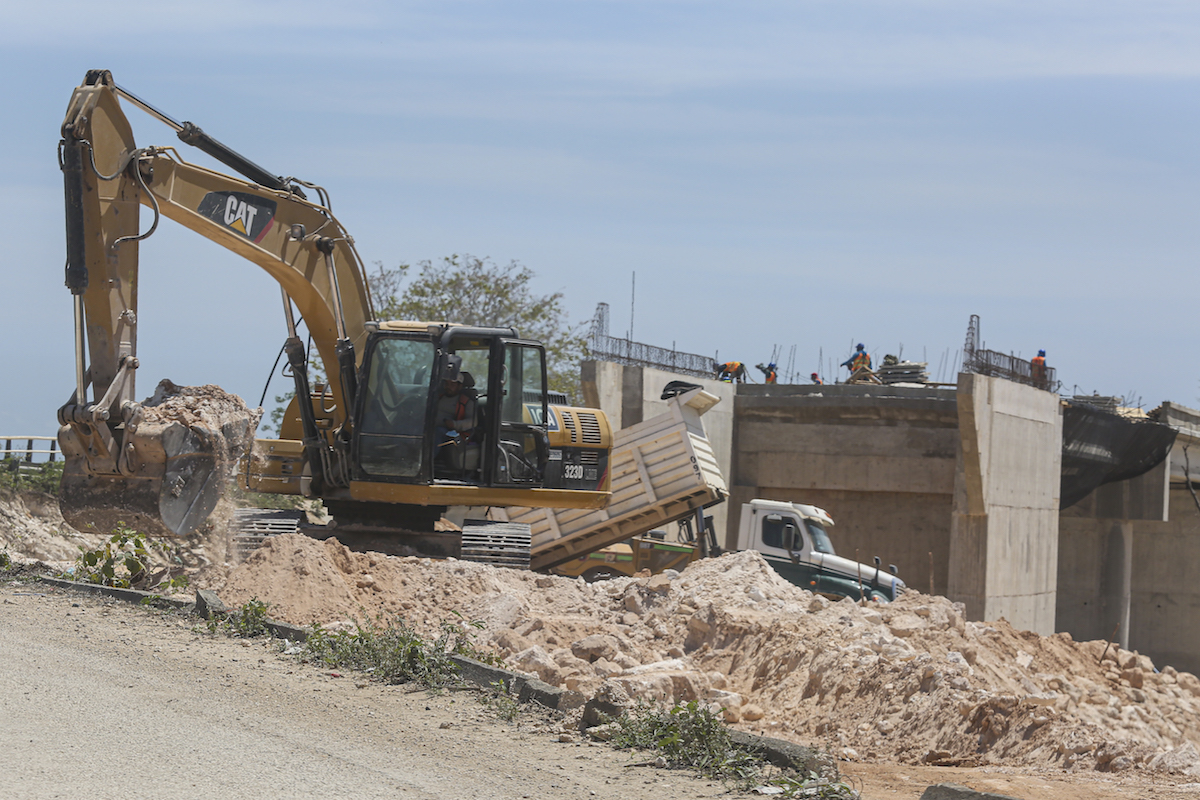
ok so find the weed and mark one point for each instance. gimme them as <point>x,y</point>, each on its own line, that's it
<point>395,653</point>
<point>5,560</point>
<point>499,700</point>
<point>693,736</point>
<point>687,735</point>
<point>124,561</point>
<point>247,621</point>
<point>458,637</point>
<point>391,654</point>
<point>45,477</point>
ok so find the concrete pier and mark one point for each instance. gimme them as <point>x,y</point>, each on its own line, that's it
<point>1004,533</point>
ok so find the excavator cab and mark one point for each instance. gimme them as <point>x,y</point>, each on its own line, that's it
<point>500,404</point>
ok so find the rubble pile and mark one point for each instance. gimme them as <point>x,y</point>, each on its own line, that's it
<point>911,681</point>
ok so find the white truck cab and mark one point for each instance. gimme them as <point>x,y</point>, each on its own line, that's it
<point>794,540</point>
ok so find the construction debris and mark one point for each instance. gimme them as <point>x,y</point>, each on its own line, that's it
<point>911,681</point>
<point>894,371</point>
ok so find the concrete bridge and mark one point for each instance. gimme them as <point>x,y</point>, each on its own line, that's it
<point>959,488</point>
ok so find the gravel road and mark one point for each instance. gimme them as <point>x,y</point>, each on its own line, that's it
<point>100,699</point>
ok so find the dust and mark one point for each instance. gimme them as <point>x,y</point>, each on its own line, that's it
<point>912,681</point>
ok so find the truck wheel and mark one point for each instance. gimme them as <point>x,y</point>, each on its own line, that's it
<point>598,574</point>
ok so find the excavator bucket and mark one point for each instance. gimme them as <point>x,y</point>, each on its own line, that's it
<point>174,466</point>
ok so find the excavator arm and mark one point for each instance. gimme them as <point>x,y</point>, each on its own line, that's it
<point>175,477</point>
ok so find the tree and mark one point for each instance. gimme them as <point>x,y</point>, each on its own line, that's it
<point>476,291</point>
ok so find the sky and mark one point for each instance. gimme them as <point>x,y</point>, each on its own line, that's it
<point>790,177</point>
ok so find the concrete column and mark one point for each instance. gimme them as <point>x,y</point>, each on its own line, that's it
<point>1117,575</point>
<point>1004,528</point>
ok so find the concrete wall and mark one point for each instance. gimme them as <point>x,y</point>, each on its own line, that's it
<point>1136,573</point>
<point>1004,531</point>
<point>1093,577</point>
<point>880,460</point>
<point>1164,603</point>
<point>629,395</point>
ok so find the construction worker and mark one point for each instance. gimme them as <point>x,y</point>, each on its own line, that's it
<point>769,371</point>
<point>1037,368</point>
<point>816,379</point>
<point>860,360</point>
<point>730,371</point>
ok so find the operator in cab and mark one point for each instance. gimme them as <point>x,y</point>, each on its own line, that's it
<point>456,406</point>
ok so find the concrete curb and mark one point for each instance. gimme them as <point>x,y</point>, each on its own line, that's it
<point>128,595</point>
<point>953,791</point>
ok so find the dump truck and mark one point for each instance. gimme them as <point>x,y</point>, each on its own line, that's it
<point>792,537</point>
<point>661,470</point>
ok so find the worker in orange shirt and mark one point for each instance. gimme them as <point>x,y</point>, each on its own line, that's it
<point>1037,368</point>
<point>730,371</point>
<point>816,379</point>
<point>859,360</point>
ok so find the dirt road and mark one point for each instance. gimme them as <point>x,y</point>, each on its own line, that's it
<point>100,699</point>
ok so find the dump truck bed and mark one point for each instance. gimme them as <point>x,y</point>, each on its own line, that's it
<point>663,469</point>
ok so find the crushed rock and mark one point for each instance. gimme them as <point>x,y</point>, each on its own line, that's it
<point>911,681</point>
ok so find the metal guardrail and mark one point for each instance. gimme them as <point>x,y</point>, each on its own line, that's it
<point>27,452</point>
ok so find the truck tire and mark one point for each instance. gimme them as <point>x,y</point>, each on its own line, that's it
<point>599,574</point>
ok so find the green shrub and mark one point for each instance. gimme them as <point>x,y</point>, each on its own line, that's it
<point>121,561</point>
<point>395,653</point>
<point>247,621</point>
<point>44,477</point>
<point>687,735</point>
<point>692,736</point>
<point>124,561</point>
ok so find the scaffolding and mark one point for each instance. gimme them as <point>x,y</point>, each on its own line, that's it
<point>603,347</point>
<point>1002,365</point>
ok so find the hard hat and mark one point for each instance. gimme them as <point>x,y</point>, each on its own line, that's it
<point>813,375</point>
<point>1042,353</point>
<point>771,365</point>
<point>859,346</point>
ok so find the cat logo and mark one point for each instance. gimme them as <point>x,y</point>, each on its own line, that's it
<point>249,215</point>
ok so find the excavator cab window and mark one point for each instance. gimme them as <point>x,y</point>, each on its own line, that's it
<point>522,447</point>
<point>391,432</point>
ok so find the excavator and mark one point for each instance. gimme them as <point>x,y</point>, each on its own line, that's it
<point>365,439</point>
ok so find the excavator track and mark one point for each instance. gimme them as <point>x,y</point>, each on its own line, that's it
<point>501,544</point>
<point>250,527</point>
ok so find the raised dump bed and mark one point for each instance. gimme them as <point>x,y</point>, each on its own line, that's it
<point>663,469</point>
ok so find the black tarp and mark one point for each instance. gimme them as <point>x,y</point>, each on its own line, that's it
<point>1100,447</point>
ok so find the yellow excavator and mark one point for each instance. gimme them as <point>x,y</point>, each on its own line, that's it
<point>365,441</point>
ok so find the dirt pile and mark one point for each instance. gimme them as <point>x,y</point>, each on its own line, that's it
<point>911,681</point>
